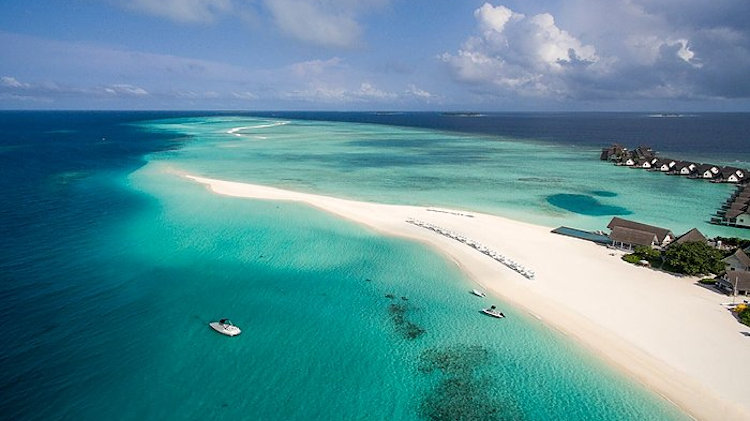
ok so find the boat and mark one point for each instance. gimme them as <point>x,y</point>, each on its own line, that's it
<point>492,311</point>
<point>478,293</point>
<point>225,327</point>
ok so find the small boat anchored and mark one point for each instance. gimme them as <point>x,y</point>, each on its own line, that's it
<point>225,327</point>
<point>492,311</point>
<point>478,293</point>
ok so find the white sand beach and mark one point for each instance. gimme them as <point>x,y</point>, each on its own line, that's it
<point>664,331</point>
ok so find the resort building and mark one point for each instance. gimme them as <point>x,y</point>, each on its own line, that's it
<point>613,153</point>
<point>739,262</point>
<point>706,171</point>
<point>732,175</point>
<point>646,164</point>
<point>692,236</point>
<point>735,283</point>
<point>629,234</point>
<point>736,279</point>
<point>737,217</point>
<point>683,168</point>
<point>662,165</point>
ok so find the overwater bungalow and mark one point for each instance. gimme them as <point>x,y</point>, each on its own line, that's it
<point>613,153</point>
<point>737,218</point>
<point>732,175</point>
<point>644,163</point>
<point>663,165</point>
<point>706,171</point>
<point>684,168</point>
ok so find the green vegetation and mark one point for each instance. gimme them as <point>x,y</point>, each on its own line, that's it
<point>743,313</point>
<point>693,258</point>
<point>734,241</point>
<point>644,253</point>
<point>708,281</point>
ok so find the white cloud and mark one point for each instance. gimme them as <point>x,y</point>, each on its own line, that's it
<point>328,23</point>
<point>313,22</point>
<point>530,55</point>
<point>11,82</point>
<point>625,49</point>
<point>315,68</point>
<point>331,94</point>
<point>246,95</point>
<point>685,53</point>
<point>412,90</point>
<point>191,11</point>
<point>125,89</point>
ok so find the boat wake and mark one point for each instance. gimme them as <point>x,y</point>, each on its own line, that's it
<point>236,130</point>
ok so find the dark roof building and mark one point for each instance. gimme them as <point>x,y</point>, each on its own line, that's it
<point>739,261</point>
<point>736,282</point>
<point>705,171</point>
<point>630,238</point>
<point>692,236</point>
<point>732,175</point>
<point>735,212</point>
<point>663,235</point>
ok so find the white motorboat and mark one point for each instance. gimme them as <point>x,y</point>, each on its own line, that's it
<point>492,311</point>
<point>478,293</point>
<point>225,327</point>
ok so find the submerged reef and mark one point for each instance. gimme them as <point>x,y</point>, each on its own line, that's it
<point>461,394</point>
<point>404,327</point>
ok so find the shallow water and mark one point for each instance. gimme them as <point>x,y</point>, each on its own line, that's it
<point>110,272</point>
<point>539,182</point>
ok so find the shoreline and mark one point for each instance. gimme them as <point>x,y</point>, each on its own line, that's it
<point>666,333</point>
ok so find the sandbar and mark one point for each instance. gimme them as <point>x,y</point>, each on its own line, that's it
<point>666,332</point>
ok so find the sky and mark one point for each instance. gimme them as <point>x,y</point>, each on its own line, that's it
<point>456,55</point>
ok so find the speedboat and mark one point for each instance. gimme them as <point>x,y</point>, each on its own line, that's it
<point>478,293</point>
<point>225,327</point>
<point>492,311</point>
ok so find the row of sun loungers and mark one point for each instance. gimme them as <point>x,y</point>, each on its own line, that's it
<point>468,215</point>
<point>529,274</point>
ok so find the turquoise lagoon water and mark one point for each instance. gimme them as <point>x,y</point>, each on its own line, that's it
<point>112,266</point>
<point>539,182</point>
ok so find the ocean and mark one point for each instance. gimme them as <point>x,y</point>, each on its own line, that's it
<point>111,265</point>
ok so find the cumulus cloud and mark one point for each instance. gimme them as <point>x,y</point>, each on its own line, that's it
<point>190,11</point>
<point>618,49</point>
<point>520,53</point>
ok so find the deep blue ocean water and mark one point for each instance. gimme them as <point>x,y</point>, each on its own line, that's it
<point>109,273</point>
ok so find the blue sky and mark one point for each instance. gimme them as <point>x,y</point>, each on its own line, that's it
<point>545,55</point>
